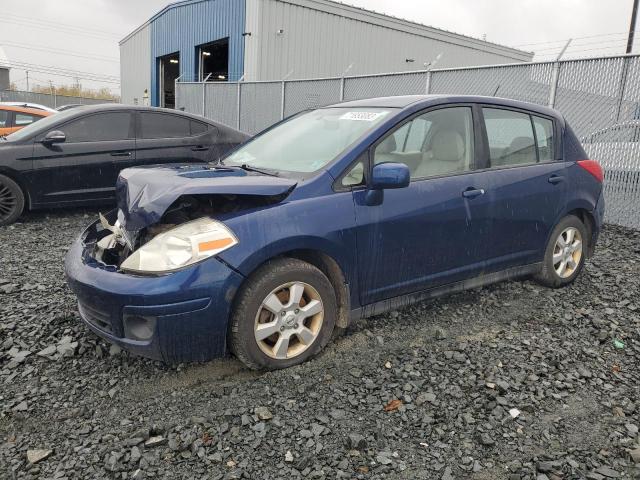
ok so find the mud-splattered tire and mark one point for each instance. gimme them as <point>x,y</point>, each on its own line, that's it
<point>565,253</point>
<point>11,201</point>
<point>283,315</point>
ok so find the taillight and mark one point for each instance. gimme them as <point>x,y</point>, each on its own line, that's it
<point>593,167</point>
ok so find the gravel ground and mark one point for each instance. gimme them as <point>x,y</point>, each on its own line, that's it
<point>510,382</point>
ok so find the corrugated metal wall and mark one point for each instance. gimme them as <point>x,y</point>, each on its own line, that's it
<point>294,39</point>
<point>182,27</point>
<point>321,39</point>
<point>135,65</point>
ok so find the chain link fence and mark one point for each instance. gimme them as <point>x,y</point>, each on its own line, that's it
<point>51,101</point>
<point>599,97</point>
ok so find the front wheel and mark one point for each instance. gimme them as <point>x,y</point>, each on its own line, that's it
<point>284,315</point>
<point>565,253</point>
<point>11,201</point>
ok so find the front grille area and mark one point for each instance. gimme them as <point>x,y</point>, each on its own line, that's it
<point>96,317</point>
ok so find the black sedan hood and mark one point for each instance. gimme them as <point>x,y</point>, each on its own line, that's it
<point>144,194</point>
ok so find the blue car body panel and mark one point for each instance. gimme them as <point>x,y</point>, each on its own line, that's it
<point>142,203</point>
<point>392,246</point>
<point>191,306</point>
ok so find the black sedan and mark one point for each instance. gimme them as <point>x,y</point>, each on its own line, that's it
<point>73,158</point>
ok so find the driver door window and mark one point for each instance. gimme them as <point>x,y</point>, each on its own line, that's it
<point>437,143</point>
<point>101,127</point>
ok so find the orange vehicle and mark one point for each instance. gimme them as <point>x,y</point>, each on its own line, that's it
<point>13,118</point>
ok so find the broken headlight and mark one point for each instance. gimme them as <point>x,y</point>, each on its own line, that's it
<point>181,246</point>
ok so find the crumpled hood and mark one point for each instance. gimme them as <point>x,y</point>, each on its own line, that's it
<point>145,193</point>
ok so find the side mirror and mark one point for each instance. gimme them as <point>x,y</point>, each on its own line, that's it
<point>390,175</point>
<point>56,136</point>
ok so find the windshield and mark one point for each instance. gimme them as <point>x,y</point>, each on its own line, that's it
<point>37,127</point>
<point>308,142</point>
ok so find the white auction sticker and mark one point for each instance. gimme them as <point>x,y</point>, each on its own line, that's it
<point>363,116</point>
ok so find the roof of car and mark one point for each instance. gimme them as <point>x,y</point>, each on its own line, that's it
<point>30,111</point>
<point>35,106</point>
<point>101,107</point>
<point>405,101</point>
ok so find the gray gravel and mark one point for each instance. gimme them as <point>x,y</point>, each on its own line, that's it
<point>510,382</point>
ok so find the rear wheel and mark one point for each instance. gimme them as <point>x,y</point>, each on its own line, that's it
<point>284,315</point>
<point>565,254</point>
<point>11,201</point>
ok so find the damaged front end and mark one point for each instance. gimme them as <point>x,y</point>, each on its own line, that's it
<point>171,217</point>
<point>111,245</point>
<point>189,231</point>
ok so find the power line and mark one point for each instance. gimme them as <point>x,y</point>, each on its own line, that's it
<point>60,25</point>
<point>564,40</point>
<point>85,33</point>
<point>69,53</point>
<point>586,50</point>
<point>583,45</point>
<point>64,72</point>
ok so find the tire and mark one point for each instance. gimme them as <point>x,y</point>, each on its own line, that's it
<point>11,201</point>
<point>550,275</point>
<point>274,287</point>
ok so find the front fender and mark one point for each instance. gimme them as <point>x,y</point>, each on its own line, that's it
<point>324,224</point>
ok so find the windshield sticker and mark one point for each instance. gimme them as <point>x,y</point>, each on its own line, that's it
<point>363,116</point>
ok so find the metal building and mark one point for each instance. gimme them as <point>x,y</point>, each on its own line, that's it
<point>229,40</point>
<point>4,71</point>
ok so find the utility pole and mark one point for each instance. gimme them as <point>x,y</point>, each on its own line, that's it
<point>53,94</point>
<point>27,72</point>
<point>632,27</point>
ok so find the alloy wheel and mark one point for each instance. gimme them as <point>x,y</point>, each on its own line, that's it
<point>8,202</point>
<point>567,252</point>
<point>289,320</point>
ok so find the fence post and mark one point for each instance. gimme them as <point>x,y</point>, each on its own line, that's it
<point>622,87</point>
<point>204,95</point>
<point>427,89</point>
<point>282,99</point>
<point>555,76</point>
<point>342,81</point>
<point>239,103</point>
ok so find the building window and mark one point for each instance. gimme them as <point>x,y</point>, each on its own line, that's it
<point>213,61</point>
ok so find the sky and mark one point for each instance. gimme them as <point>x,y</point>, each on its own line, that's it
<point>81,36</point>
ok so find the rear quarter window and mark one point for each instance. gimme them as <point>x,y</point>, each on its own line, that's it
<point>545,138</point>
<point>198,128</point>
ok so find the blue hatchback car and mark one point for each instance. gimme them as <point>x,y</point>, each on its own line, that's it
<point>332,215</point>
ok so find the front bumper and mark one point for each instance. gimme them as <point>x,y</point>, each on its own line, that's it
<point>185,313</point>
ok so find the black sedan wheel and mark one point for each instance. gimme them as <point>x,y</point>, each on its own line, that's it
<point>11,201</point>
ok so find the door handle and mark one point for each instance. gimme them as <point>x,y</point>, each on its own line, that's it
<point>473,192</point>
<point>555,179</point>
<point>199,149</point>
<point>121,154</point>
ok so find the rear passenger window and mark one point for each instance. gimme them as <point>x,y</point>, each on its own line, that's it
<point>437,143</point>
<point>4,116</point>
<point>544,136</point>
<point>24,119</point>
<point>510,136</point>
<point>160,125</point>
